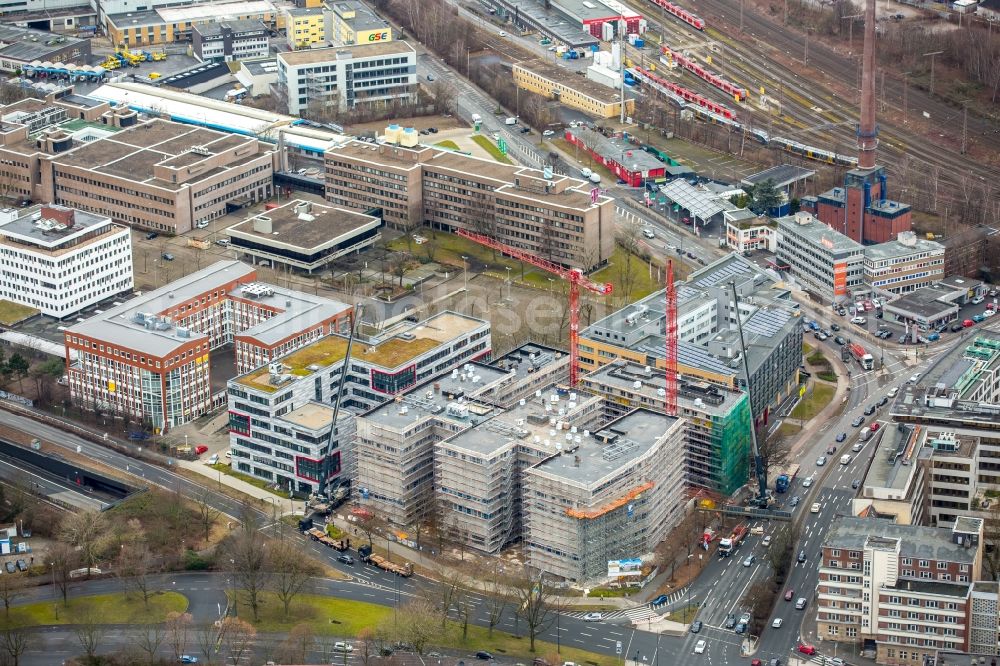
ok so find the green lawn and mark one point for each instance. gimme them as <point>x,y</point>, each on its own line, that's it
<point>340,617</point>
<point>491,148</point>
<point>252,480</point>
<point>11,313</point>
<point>813,402</point>
<point>817,358</point>
<point>447,143</point>
<point>642,282</point>
<point>101,608</point>
<point>684,615</point>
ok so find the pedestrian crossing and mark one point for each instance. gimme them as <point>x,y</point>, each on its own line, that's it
<point>641,613</point>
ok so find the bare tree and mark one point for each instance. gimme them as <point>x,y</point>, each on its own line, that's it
<point>300,642</point>
<point>62,559</point>
<point>148,638</point>
<point>206,637</point>
<point>207,514</point>
<point>14,642</point>
<point>370,525</point>
<point>534,603</point>
<point>179,632</point>
<point>134,565</point>
<point>90,634</point>
<point>289,572</point>
<point>366,648</point>
<point>496,596</point>
<point>668,551</point>
<point>418,624</point>
<point>248,557</point>
<point>11,589</point>
<point>238,636</point>
<point>85,531</point>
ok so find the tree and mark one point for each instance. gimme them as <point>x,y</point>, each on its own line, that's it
<point>758,600</point>
<point>668,550</point>
<point>496,597</point>
<point>779,555</point>
<point>206,637</point>
<point>238,636</point>
<point>19,367</point>
<point>148,638</point>
<point>90,634</point>
<point>369,525</point>
<point>534,600</point>
<point>401,261</point>
<point>11,589</point>
<point>627,238</point>
<point>207,514</point>
<point>134,564</point>
<point>289,572</point>
<point>178,627</point>
<point>417,624</point>
<point>248,556</point>
<point>62,560</point>
<point>764,196</point>
<point>85,531</point>
<point>365,647</point>
<point>300,642</point>
<point>14,642</point>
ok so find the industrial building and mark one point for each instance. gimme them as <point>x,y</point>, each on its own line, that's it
<point>555,82</point>
<point>860,209</point>
<point>555,217</point>
<point>708,346</point>
<point>305,27</point>
<point>352,22</point>
<point>717,421</point>
<point>303,235</point>
<point>364,75</point>
<point>23,46</point>
<point>625,160</point>
<point>579,24</point>
<point>877,579</point>
<point>171,21</point>
<point>303,385</point>
<point>60,261</point>
<point>788,179</point>
<point>903,265</point>
<point>149,359</point>
<point>828,263</point>
<point>229,41</point>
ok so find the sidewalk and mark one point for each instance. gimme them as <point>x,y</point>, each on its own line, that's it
<point>284,505</point>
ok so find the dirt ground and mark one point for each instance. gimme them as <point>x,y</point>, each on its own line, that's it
<point>419,123</point>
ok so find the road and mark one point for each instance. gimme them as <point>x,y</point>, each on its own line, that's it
<point>62,492</point>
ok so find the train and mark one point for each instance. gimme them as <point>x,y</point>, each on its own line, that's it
<point>739,93</point>
<point>718,114</point>
<point>680,13</point>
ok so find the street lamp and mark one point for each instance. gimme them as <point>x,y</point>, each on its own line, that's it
<point>508,283</point>
<point>465,272</point>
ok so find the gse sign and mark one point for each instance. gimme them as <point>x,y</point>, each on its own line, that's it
<point>378,36</point>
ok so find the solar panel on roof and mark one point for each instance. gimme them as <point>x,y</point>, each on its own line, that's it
<point>766,322</point>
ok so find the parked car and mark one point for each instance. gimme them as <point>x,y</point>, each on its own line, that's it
<point>914,378</point>
<point>869,410</point>
<point>151,235</point>
<point>883,401</point>
<point>22,565</point>
<point>343,646</point>
<point>875,426</point>
<point>696,626</point>
<point>860,321</point>
<point>548,133</point>
<point>830,450</point>
<point>222,242</point>
<point>187,659</point>
<point>10,567</point>
<point>820,461</point>
<point>167,256</point>
<point>858,421</point>
<point>956,328</point>
<point>841,437</point>
<point>200,449</point>
<point>593,617</point>
<point>805,648</point>
<point>213,460</point>
<point>967,323</point>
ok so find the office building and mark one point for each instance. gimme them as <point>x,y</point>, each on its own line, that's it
<point>352,22</point>
<point>554,82</point>
<point>168,21</point>
<point>860,209</point>
<point>905,588</point>
<point>230,41</point>
<point>555,217</point>
<point>984,631</point>
<point>903,265</point>
<point>306,27</point>
<point>826,262</point>
<point>708,346</point>
<point>374,75</point>
<point>895,485</point>
<point>717,421</point>
<point>747,232</point>
<point>60,261</point>
<point>152,359</point>
<point>303,235</point>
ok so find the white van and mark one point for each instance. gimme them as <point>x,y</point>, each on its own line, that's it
<point>510,121</point>
<point>977,300</point>
<point>845,460</point>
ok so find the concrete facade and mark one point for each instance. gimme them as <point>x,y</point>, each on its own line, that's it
<point>553,82</point>
<point>230,41</point>
<point>903,265</point>
<point>827,262</point>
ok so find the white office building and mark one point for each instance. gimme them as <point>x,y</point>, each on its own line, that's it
<point>61,260</point>
<point>368,75</point>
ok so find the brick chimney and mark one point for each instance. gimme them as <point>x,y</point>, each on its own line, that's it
<point>62,215</point>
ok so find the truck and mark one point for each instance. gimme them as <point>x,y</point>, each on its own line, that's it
<point>733,541</point>
<point>707,537</point>
<point>783,481</point>
<point>319,535</point>
<point>404,569</point>
<point>476,118</point>
<point>864,359</point>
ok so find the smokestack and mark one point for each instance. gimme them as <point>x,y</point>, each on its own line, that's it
<point>868,130</point>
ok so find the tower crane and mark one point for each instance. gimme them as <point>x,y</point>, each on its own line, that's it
<point>574,276</point>
<point>670,332</point>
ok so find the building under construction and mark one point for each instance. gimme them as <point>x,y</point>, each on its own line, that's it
<point>717,420</point>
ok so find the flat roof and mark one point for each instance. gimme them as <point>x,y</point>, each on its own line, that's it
<point>217,11</point>
<point>927,301</point>
<point>637,433</point>
<point>896,249</point>
<point>136,19</point>
<point>781,175</point>
<point>812,230</point>
<point>355,51</point>
<point>528,358</point>
<point>305,225</point>
<point>363,19</point>
<point>563,76</point>
<point>887,469</point>
<point>28,45</point>
<point>49,235</point>
<point>925,543</point>
<point>618,150</point>
<point>312,415</point>
<point>237,26</point>
<point>702,203</point>
<point>623,374</point>
<point>937,587</point>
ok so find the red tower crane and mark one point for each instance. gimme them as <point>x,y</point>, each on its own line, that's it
<point>574,276</point>
<point>671,334</point>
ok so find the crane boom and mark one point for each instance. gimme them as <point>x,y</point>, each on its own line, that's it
<point>760,469</point>
<point>574,276</point>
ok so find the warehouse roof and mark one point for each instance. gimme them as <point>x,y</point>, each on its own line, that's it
<point>618,150</point>
<point>781,175</point>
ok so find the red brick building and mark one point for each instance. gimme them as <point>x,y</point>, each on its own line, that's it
<point>860,209</point>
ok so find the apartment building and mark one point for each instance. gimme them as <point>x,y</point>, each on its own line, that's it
<point>303,235</point>
<point>896,484</point>
<point>984,631</point>
<point>374,75</point>
<point>554,82</point>
<point>708,345</point>
<point>306,27</point>
<point>613,494</point>
<point>555,217</point>
<point>230,41</point>
<point>827,262</point>
<point>352,22</point>
<point>907,589</point>
<point>902,265</point>
<point>381,367</point>
<point>60,261</point>
<point>150,359</point>
<point>717,421</point>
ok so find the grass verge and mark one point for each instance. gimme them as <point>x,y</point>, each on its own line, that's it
<point>447,143</point>
<point>685,615</point>
<point>491,148</point>
<point>11,313</point>
<point>631,276</point>
<point>100,608</point>
<point>246,478</point>
<point>812,403</point>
